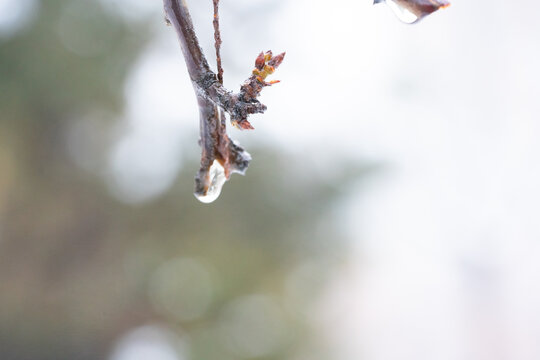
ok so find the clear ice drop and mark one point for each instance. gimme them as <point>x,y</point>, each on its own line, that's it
<point>402,13</point>
<point>214,183</point>
<point>411,11</point>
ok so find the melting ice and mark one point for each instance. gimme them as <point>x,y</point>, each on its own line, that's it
<point>215,181</point>
<point>402,13</point>
<point>410,11</point>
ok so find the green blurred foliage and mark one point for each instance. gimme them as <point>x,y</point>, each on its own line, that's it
<point>78,268</point>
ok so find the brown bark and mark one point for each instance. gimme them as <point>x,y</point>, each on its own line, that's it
<point>217,39</point>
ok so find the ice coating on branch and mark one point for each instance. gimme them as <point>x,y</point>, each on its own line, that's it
<point>210,180</point>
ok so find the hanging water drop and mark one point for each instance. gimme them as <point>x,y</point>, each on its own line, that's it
<point>213,183</point>
<point>411,11</point>
<point>402,13</point>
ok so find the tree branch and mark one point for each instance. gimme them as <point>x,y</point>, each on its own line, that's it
<point>220,155</point>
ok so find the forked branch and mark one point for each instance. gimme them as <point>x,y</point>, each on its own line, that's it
<point>220,155</point>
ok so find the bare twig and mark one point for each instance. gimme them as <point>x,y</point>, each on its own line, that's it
<point>217,38</point>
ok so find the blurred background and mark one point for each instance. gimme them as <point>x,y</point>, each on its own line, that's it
<point>391,210</point>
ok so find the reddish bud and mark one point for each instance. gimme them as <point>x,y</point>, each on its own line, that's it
<point>260,61</point>
<point>276,60</point>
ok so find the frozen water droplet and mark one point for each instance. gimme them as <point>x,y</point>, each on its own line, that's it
<point>402,13</point>
<point>213,183</point>
<point>411,11</point>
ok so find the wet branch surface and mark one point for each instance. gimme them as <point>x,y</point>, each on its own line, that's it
<point>214,100</point>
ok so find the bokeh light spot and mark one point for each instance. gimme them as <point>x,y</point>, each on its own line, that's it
<point>181,288</point>
<point>15,15</point>
<point>253,326</point>
<point>149,343</point>
<point>78,31</point>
